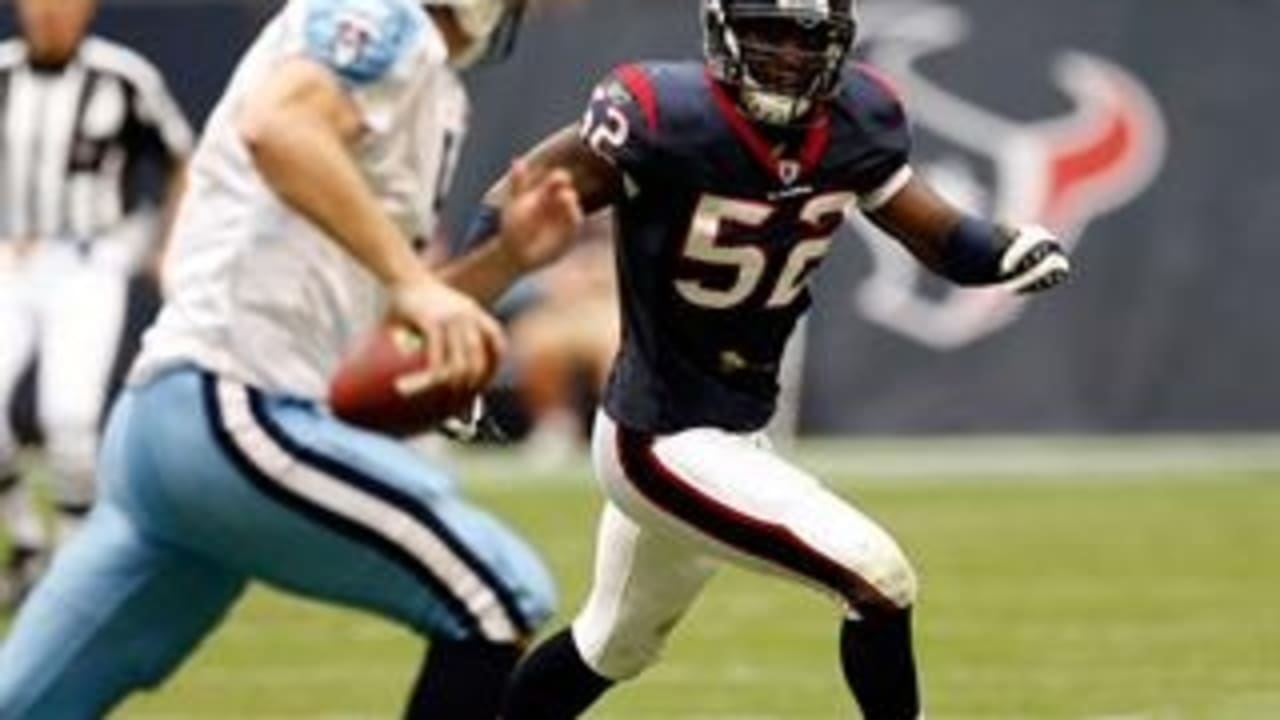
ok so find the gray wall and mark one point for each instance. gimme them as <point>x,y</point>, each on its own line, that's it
<point>1158,130</point>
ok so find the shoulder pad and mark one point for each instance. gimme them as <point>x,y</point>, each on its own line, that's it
<point>361,40</point>
<point>868,93</point>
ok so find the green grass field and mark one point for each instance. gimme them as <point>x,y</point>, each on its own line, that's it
<point>1071,590</point>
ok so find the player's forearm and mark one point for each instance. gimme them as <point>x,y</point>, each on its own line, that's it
<point>174,191</point>
<point>487,267</point>
<point>968,250</point>
<point>527,221</point>
<point>310,169</point>
<point>169,213</point>
<point>484,273</point>
<point>299,125</point>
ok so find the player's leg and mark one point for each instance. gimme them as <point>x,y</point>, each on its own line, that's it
<point>82,319</point>
<point>18,512</point>
<point>117,611</point>
<point>645,582</point>
<point>323,509</point>
<point>739,500</point>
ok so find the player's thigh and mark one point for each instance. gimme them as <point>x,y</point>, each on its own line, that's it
<point>18,330</point>
<point>739,500</point>
<point>114,614</point>
<point>82,313</point>
<point>329,511</point>
<point>645,581</point>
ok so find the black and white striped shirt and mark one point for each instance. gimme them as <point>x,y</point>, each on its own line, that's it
<point>72,139</point>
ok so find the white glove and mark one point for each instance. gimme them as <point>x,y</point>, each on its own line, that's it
<point>1033,261</point>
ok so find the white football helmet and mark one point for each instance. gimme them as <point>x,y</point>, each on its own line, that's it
<point>492,26</point>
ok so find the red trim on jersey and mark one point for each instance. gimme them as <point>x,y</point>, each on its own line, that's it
<point>879,78</point>
<point>811,152</point>
<point>641,88</point>
<point>742,127</point>
<point>756,537</point>
<point>815,144</point>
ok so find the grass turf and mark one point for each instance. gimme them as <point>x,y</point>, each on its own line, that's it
<point>1125,598</point>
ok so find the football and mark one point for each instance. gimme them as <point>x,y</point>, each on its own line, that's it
<point>386,385</point>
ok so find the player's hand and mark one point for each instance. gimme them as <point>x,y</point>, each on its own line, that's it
<point>13,251</point>
<point>464,343</point>
<point>1033,261</point>
<point>541,216</point>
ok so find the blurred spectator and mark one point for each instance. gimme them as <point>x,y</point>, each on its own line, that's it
<point>565,342</point>
<point>83,117</point>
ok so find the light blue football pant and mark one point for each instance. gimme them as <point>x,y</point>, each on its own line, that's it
<point>207,484</point>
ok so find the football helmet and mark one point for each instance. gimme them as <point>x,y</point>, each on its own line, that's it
<point>492,26</point>
<point>782,56</point>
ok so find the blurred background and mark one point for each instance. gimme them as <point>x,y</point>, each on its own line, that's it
<point>1089,480</point>
<point>1140,131</point>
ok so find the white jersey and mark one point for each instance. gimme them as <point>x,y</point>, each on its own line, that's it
<point>258,293</point>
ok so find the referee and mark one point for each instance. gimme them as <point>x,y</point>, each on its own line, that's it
<point>79,117</point>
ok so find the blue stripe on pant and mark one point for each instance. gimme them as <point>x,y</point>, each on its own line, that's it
<point>207,484</point>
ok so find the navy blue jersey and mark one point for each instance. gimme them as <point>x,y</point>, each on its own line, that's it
<point>722,223</point>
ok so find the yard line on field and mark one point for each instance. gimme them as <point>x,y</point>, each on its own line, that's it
<point>980,459</point>
<point>136,715</point>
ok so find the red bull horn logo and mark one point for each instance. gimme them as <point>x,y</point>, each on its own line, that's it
<point>1061,172</point>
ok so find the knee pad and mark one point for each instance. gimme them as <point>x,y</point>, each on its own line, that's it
<point>622,644</point>
<point>891,574</point>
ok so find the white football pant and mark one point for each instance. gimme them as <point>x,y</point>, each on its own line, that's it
<point>64,302</point>
<point>679,505</point>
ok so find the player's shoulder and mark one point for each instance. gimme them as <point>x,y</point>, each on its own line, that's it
<point>375,14</point>
<point>364,40</point>
<point>867,95</point>
<point>666,93</point>
<point>110,56</point>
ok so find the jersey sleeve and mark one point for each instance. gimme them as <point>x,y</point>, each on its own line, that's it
<point>621,123</point>
<point>374,48</point>
<point>886,168</point>
<point>160,116</point>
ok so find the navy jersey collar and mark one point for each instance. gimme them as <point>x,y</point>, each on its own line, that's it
<point>817,137</point>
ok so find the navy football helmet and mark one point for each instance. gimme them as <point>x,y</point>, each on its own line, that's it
<point>783,56</point>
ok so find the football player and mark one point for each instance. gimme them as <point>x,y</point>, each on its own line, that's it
<point>220,462</point>
<point>728,179</point>
<point>81,116</point>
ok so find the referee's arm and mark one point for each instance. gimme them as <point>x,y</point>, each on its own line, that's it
<point>166,130</point>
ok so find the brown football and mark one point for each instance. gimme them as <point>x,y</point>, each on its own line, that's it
<point>387,386</point>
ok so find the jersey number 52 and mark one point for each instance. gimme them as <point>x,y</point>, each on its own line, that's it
<point>707,244</point>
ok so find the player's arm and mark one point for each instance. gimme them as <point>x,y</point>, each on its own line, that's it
<point>960,247</point>
<point>299,125</point>
<point>163,134</point>
<point>531,216</point>
<point>966,249</point>
<point>175,189</point>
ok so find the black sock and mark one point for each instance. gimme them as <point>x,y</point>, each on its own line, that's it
<point>880,667</point>
<point>462,681</point>
<point>553,683</point>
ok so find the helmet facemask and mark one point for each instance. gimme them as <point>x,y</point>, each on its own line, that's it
<point>783,58</point>
<point>492,26</point>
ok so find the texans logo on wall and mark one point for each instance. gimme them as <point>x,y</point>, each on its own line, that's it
<point>1064,170</point>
